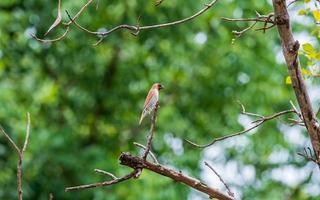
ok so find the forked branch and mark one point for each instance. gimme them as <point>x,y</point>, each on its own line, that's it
<point>261,120</point>
<point>20,152</point>
<point>137,163</point>
<point>135,29</point>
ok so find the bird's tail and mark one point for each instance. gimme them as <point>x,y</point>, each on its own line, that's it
<point>141,118</point>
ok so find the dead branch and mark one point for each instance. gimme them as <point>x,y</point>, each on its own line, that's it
<point>261,120</point>
<point>20,153</point>
<point>220,178</point>
<point>105,183</point>
<point>106,173</point>
<point>309,155</point>
<point>151,132</point>
<point>150,152</point>
<point>133,28</point>
<point>266,19</point>
<point>137,163</point>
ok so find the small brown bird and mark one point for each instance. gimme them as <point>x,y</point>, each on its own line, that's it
<point>151,100</point>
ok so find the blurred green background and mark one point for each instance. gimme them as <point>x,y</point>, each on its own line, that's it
<point>85,101</point>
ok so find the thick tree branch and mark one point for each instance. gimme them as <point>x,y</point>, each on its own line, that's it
<point>138,163</point>
<point>290,49</point>
<point>135,162</point>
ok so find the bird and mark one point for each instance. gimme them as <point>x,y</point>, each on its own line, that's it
<point>151,100</point>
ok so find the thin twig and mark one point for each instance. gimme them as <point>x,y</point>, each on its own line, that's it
<point>239,33</point>
<point>79,12</point>
<point>262,19</point>
<point>106,173</point>
<point>10,140</point>
<point>51,40</point>
<point>220,178</point>
<point>309,156</point>
<point>102,184</point>
<point>150,152</point>
<point>27,135</point>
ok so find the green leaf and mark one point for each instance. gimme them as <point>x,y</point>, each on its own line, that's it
<point>288,80</point>
<point>307,1</point>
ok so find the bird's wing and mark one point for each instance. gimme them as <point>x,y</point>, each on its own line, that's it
<point>149,103</point>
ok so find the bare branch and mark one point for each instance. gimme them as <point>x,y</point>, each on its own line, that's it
<point>102,184</point>
<point>150,152</point>
<point>138,163</point>
<point>79,13</point>
<point>106,173</point>
<point>260,18</point>
<point>239,33</point>
<point>20,155</point>
<point>244,112</point>
<point>10,140</point>
<point>258,122</point>
<point>58,19</point>
<point>27,135</point>
<point>151,132</point>
<point>220,178</point>
<point>133,28</point>
<point>309,155</point>
<point>51,40</point>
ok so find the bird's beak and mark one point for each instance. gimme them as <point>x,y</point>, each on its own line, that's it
<point>161,87</point>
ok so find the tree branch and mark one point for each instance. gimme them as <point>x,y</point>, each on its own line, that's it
<point>151,132</point>
<point>290,49</point>
<point>150,152</point>
<point>220,178</point>
<point>106,173</point>
<point>134,28</point>
<point>20,153</point>
<point>105,183</point>
<point>266,19</point>
<point>261,120</point>
<point>137,162</point>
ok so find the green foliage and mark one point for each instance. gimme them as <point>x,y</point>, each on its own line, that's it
<point>85,101</point>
